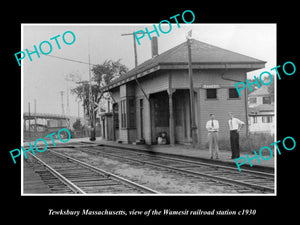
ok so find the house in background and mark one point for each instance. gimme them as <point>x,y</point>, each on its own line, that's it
<point>154,97</point>
<point>261,111</point>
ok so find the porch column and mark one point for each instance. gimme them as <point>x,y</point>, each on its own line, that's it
<point>171,118</point>
<point>113,122</point>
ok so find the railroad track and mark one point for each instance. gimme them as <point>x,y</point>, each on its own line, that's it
<point>253,181</point>
<point>64,174</point>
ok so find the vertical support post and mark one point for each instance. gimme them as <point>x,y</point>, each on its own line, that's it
<point>93,133</point>
<point>113,121</point>
<point>135,53</point>
<point>198,116</point>
<point>192,101</point>
<point>151,117</point>
<point>35,127</point>
<point>134,45</point>
<point>171,113</point>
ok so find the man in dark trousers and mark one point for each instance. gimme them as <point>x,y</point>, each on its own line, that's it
<point>235,125</point>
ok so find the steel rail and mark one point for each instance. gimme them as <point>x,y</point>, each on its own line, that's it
<point>63,179</point>
<point>108,174</point>
<point>226,180</point>
<point>218,166</point>
<point>178,158</point>
<point>198,163</point>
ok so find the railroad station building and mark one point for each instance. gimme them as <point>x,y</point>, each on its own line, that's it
<point>154,97</point>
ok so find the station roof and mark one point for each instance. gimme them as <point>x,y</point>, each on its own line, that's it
<point>204,56</point>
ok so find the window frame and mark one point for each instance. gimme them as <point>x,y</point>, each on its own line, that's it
<point>268,99</point>
<point>233,98</point>
<point>267,119</point>
<point>251,99</point>
<point>206,90</point>
<point>128,113</point>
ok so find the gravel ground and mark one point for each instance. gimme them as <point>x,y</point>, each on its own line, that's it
<point>160,180</point>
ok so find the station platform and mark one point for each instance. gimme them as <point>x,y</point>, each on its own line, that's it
<point>180,150</point>
<point>32,181</point>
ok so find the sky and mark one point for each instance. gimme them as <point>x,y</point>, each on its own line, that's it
<point>44,78</point>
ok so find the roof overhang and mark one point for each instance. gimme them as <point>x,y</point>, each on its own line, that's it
<point>130,78</point>
<point>170,66</point>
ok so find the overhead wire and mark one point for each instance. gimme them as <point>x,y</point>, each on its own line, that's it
<point>67,59</point>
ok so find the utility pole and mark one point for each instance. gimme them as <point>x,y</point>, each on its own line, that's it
<point>78,109</point>
<point>91,101</point>
<point>192,99</point>
<point>62,103</point>
<point>35,121</point>
<point>134,45</point>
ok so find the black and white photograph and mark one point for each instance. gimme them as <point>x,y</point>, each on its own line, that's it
<point>145,113</point>
<point>126,109</point>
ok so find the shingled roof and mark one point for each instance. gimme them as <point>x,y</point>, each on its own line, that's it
<point>204,56</point>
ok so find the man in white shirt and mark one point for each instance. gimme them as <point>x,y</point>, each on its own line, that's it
<point>212,127</point>
<point>235,125</point>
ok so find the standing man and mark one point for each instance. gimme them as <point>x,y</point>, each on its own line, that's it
<point>235,126</point>
<point>212,127</point>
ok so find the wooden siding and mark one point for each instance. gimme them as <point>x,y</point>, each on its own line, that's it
<point>220,108</point>
<point>180,78</point>
<point>158,81</point>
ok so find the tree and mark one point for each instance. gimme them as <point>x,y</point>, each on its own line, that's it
<point>253,83</point>
<point>77,125</point>
<point>83,93</point>
<point>103,74</point>
<point>108,71</point>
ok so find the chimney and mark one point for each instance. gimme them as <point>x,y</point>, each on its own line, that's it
<point>154,47</point>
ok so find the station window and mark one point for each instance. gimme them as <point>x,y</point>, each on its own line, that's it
<point>252,100</point>
<point>232,93</point>
<point>131,113</point>
<point>267,119</point>
<point>266,100</point>
<point>254,119</point>
<point>128,113</point>
<point>211,93</point>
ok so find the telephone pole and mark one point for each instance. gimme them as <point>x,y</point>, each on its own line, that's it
<point>134,46</point>
<point>35,120</point>
<point>62,103</point>
<point>192,97</point>
<point>91,104</point>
